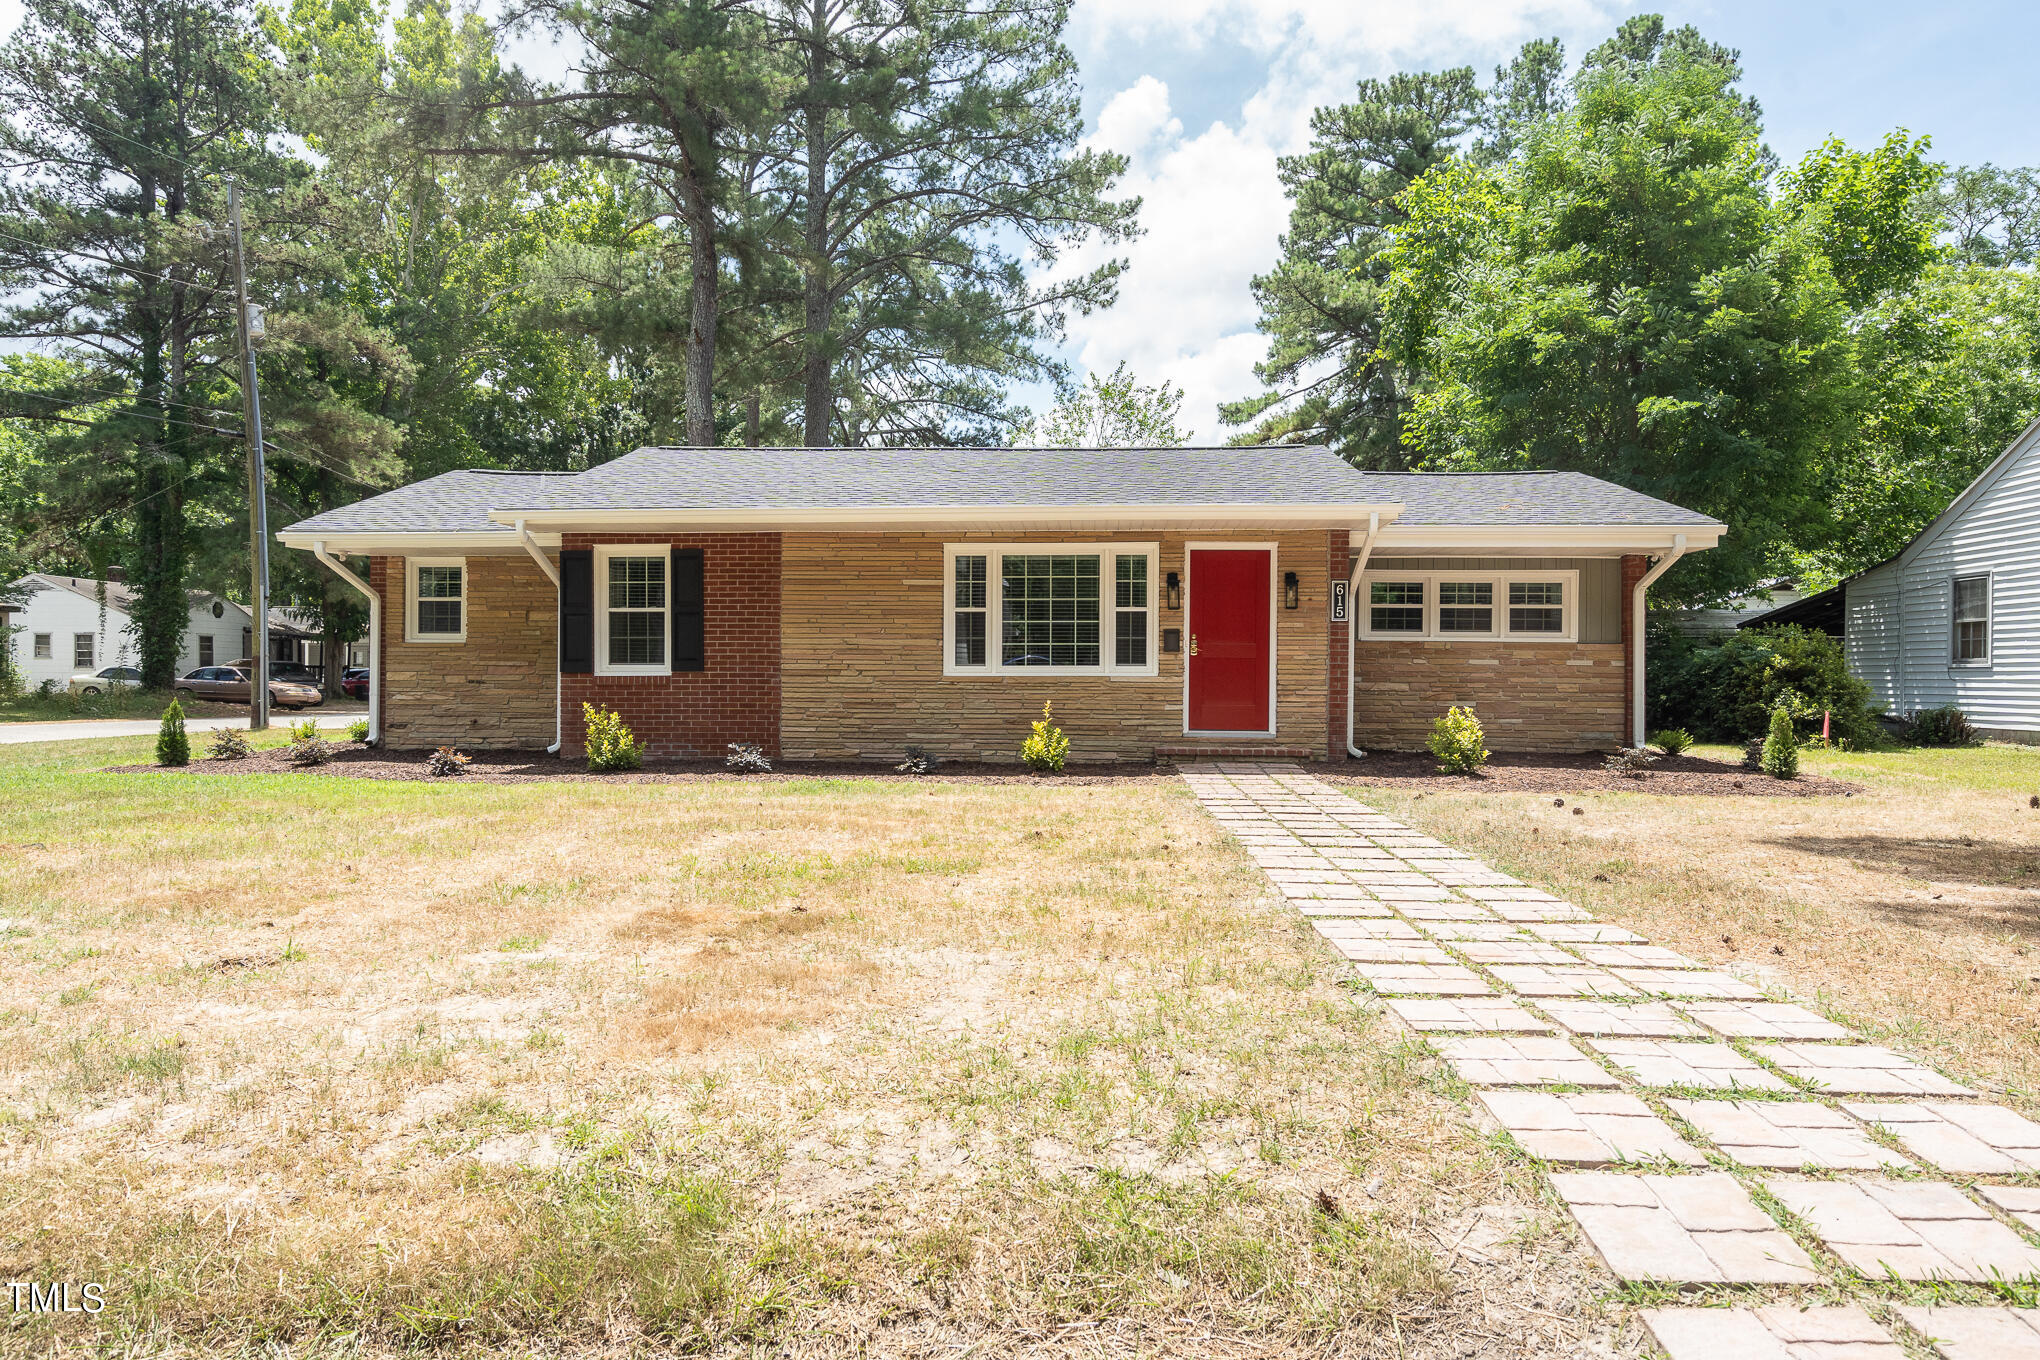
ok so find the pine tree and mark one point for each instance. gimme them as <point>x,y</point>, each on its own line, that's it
<point>172,746</point>
<point>1781,746</point>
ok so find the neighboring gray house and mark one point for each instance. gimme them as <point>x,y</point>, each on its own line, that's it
<point>1955,617</point>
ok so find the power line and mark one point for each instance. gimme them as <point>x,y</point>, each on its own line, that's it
<point>113,264</point>
<point>299,452</point>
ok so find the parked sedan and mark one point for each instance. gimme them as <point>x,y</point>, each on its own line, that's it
<point>354,682</point>
<point>232,685</point>
<point>98,682</point>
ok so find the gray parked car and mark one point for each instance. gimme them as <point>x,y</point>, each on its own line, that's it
<point>231,685</point>
<point>98,682</point>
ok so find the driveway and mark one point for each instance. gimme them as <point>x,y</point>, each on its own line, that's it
<point>80,729</point>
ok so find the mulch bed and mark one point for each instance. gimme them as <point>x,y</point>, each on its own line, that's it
<point>351,761</point>
<point>1409,771</point>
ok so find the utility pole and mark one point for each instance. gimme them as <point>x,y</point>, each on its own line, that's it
<point>250,328</point>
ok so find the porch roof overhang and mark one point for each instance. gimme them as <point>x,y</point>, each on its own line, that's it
<point>1542,540</point>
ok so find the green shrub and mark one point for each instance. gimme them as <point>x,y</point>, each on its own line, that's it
<point>309,750</point>
<point>1943,726</point>
<point>172,746</point>
<point>1673,741</point>
<point>228,743</point>
<point>1781,746</point>
<point>1459,743</point>
<point>446,762</point>
<point>305,729</point>
<point>610,743</point>
<point>1726,689</point>
<point>1046,748</point>
<point>358,730</point>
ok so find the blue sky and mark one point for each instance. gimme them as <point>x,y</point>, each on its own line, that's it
<point>1203,95</point>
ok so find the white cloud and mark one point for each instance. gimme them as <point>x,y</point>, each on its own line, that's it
<point>1212,205</point>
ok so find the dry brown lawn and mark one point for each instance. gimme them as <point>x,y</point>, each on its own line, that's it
<point>1910,910</point>
<point>308,1066</point>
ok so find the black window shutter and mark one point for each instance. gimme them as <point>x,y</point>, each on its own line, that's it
<point>577,611</point>
<point>690,652</point>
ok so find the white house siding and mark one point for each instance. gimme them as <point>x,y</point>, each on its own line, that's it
<point>1900,620</point>
<point>64,613</point>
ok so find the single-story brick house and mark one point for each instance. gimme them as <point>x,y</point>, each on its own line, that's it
<point>847,603</point>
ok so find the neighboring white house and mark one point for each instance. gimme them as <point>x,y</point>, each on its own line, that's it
<point>1731,614</point>
<point>1955,617</point>
<point>62,625</point>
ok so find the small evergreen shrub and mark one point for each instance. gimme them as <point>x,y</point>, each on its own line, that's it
<point>1046,748</point>
<point>446,762</point>
<point>1673,741</point>
<point>1781,748</point>
<point>1753,755</point>
<point>610,743</point>
<point>305,729</point>
<point>309,751</point>
<point>918,761</point>
<point>747,757</point>
<point>172,746</point>
<point>1632,762</point>
<point>1944,726</point>
<point>228,743</point>
<point>358,730</point>
<point>1458,742</point>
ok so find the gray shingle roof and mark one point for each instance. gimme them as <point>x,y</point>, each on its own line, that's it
<point>856,480</point>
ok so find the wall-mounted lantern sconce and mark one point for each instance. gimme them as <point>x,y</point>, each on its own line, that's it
<point>1173,589</point>
<point>1289,590</point>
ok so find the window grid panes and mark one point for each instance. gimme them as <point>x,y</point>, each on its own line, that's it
<point>971,586</point>
<point>1536,606</point>
<point>205,651</point>
<point>1048,610</point>
<point>1972,618</point>
<point>81,651</point>
<point>42,646</point>
<point>1130,608</point>
<point>637,611</point>
<point>439,600</point>
<point>1466,607</point>
<point>1396,606</point>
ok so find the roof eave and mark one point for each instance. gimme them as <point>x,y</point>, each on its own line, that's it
<point>1603,538</point>
<point>883,518</point>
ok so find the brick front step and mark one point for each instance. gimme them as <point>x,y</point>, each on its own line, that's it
<point>1235,752</point>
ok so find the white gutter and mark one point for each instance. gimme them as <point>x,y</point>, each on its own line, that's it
<point>552,573</point>
<point>1353,624</point>
<point>339,569</point>
<point>1664,564</point>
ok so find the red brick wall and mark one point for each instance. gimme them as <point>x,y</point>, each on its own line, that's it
<point>696,714</point>
<point>1338,692</point>
<point>1634,567</point>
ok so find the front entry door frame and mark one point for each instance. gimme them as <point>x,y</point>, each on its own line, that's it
<point>1190,551</point>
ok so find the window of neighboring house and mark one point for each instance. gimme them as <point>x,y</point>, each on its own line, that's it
<point>437,608</point>
<point>631,622</point>
<point>1081,608</point>
<point>81,651</point>
<point>42,646</point>
<point>205,652</point>
<point>1972,619</point>
<point>1526,607</point>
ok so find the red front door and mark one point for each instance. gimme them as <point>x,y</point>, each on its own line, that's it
<point>1229,604</point>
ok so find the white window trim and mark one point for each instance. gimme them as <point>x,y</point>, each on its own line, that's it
<point>1190,550</point>
<point>91,661</point>
<point>1974,663</point>
<point>603,554</point>
<point>1501,580</point>
<point>411,565</point>
<point>1108,595</point>
<point>42,647</point>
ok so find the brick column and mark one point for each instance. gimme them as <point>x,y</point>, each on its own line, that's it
<point>1634,567</point>
<point>1339,689</point>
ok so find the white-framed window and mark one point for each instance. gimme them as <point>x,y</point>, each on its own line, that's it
<point>42,646</point>
<point>1500,606</point>
<point>1969,643</point>
<point>1062,608</point>
<point>633,629</point>
<point>435,599</point>
<point>82,656</point>
<point>205,649</point>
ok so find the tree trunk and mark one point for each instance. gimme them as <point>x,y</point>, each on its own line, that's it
<point>816,411</point>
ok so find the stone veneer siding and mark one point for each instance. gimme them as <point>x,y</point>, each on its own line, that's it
<point>693,715</point>
<point>492,691</point>
<point>1528,696</point>
<point>863,656</point>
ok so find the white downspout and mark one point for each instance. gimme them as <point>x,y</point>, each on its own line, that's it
<point>552,573</point>
<point>1664,564</point>
<point>1353,623</point>
<point>339,569</point>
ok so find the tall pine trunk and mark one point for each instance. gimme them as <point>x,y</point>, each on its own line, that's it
<point>815,284</point>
